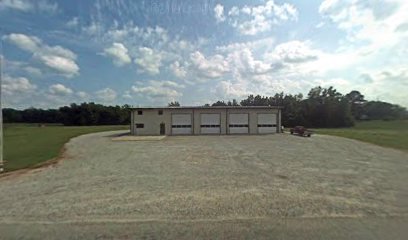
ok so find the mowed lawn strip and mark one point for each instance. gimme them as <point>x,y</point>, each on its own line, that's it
<point>26,145</point>
<point>393,134</point>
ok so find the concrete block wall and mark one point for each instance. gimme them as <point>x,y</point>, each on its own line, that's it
<point>152,120</point>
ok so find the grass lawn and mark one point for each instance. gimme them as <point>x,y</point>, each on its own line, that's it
<point>392,134</point>
<point>26,145</point>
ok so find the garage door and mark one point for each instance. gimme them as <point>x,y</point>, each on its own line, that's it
<point>210,123</point>
<point>266,123</point>
<point>238,123</point>
<point>181,124</point>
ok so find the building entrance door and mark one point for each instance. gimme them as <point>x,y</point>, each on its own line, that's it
<point>162,129</point>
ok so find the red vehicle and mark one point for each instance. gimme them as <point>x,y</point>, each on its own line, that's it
<point>301,131</point>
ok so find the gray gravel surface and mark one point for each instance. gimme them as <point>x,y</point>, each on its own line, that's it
<point>216,185</point>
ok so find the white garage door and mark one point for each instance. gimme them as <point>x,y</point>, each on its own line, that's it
<point>210,123</point>
<point>181,124</point>
<point>266,123</point>
<point>238,123</point>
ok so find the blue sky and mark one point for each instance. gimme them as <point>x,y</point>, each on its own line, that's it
<point>151,52</point>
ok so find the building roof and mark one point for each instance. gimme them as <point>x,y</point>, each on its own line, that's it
<point>209,107</point>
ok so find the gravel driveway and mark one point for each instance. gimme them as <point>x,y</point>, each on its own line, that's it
<point>230,184</point>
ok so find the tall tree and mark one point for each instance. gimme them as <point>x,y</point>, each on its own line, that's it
<point>174,104</point>
<point>357,101</point>
<point>377,110</point>
<point>257,100</point>
<point>219,103</point>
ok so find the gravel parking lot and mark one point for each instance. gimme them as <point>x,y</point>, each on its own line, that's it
<point>206,179</point>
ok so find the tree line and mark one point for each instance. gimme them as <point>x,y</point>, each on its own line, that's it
<point>322,107</point>
<point>84,114</point>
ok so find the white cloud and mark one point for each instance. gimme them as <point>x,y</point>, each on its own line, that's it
<point>259,45</point>
<point>178,70</point>
<point>294,52</point>
<point>374,39</point>
<point>234,11</point>
<point>150,48</point>
<point>219,13</point>
<point>45,6</point>
<point>119,53</point>
<point>60,90</point>
<point>65,66</point>
<point>161,91</point>
<point>21,5</point>
<point>369,21</point>
<point>251,64</point>
<point>127,95</point>
<point>82,95</point>
<point>340,84</point>
<point>243,61</point>
<point>329,62</point>
<point>167,84</point>
<point>74,22</point>
<point>27,43</point>
<point>17,85</point>
<point>60,59</point>
<point>149,60</point>
<point>156,92</point>
<point>18,67</point>
<point>228,90</point>
<point>106,95</point>
<point>213,67</point>
<point>262,67</point>
<point>320,25</point>
<point>29,6</point>
<point>17,92</point>
<point>253,20</point>
<point>33,71</point>
<point>94,29</point>
<point>326,5</point>
<point>179,45</point>
<point>256,25</point>
<point>387,84</point>
<point>127,33</point>
<point>242,68</point>
<point>58,51</point>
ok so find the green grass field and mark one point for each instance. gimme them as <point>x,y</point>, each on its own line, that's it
<point>26,145</point>
<point>393,134</point>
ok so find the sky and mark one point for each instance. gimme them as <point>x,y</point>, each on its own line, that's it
<point>151,52</point>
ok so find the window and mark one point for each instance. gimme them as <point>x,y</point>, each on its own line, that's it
<point>181,126</point>
<point>210,126</point>
<point>160,112</point>
<point>139,125</point>
<point>139,112</point>
<point>238,125</point>
<point>266,125</point>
